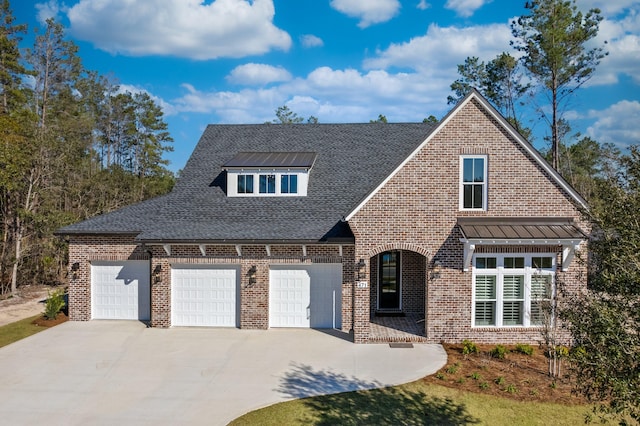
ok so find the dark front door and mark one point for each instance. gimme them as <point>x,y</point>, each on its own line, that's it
<point>389,285</point>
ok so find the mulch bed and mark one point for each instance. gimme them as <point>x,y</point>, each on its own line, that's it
<point>42,321</point>
<point>518,376</point>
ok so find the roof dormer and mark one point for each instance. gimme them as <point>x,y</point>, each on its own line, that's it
<point>269,174</point>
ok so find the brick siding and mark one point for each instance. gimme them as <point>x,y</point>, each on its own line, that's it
<point>415,212</point>
<point>419,207</point>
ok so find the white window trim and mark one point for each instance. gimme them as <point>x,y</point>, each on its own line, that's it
<point>485,183</point>
<point>500,271</point>
<point>232,182</point>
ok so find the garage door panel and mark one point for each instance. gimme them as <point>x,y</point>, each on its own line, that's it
<point>204,296</point>
<point>305,296</point>
<point>120,290</point>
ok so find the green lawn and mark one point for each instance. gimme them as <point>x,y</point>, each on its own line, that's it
<point>19,330</point>
<point>415,403</point>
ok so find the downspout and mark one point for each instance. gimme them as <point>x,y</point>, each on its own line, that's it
<point>150,253</point>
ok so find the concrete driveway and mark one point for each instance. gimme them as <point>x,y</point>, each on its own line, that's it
<point>120,372</point>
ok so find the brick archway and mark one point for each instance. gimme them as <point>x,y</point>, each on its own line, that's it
<point>399,246</point>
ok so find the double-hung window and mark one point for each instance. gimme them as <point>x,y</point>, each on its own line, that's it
<point>511,290</point>
<point>473,182</point>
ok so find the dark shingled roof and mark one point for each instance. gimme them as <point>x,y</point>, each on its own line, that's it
<point>352,160</point>
<point>519,229</point>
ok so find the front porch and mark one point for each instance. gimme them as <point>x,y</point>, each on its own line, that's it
<point>392,329</point>
<point>397,297</point>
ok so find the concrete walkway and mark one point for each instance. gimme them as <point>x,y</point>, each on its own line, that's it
<point>111,372</point>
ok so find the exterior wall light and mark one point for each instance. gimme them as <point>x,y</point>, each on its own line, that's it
<point>436,269</point>
<point>361,265</point>
<point>74,270</point>
<point>252,275</point>
<point>156,274</point>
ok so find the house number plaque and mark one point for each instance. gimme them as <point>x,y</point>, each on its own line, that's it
<point>363,284</point>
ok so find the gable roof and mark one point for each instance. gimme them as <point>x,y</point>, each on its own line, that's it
<point>350,160</point>
<point>474,94</point>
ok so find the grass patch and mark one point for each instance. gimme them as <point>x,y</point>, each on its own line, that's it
<point>19,330</point>
<point>415,403</point>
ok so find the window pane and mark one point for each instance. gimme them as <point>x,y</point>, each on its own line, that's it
<point>249,184</point>
<point>467,202</point>
<point>486,262</point>
<point>245,184</point>
<point>537,314</point>
<point>542,262</point>
<point>540,286</point>
<point>513,287</point>
<point>485,287</point>
<point>478,170</point>
<point>477,196</point>
<point>467,170</point>
<point>267,184</point>
<point>512,313</point>
<point>514,262</point>
<point>289,184</point>
<point>485,313</point>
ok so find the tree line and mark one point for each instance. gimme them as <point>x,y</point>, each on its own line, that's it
<point>72,145</point>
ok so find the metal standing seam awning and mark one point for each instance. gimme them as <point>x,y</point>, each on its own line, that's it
<point>520,231</point>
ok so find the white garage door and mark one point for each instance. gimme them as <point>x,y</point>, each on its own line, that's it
<point>120,290</point>
<point>305,296</point>
<point>204,296</point>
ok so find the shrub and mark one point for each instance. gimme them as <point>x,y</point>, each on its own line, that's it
<point>499,352</point>
<point>524,349</point>
<point>483,385</point>
<point>500,381</point>
<point>511,389</point>
<point>54,304</point>
<point>452,369</point>
<point>440,376</point>
<point>468,347</point>
<point>475,375</point>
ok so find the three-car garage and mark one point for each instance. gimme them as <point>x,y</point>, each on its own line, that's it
<point>209,295</point>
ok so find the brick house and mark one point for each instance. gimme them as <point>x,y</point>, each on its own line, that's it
<point>437,232</point>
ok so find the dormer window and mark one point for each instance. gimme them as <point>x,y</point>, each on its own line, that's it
<point>274,174</point>
<point>289,184</point>
<point>245,184</point>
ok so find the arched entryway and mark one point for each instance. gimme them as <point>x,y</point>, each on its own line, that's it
<point>398,294</point>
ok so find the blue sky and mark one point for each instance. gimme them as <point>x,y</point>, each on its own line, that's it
<point>236,61</point>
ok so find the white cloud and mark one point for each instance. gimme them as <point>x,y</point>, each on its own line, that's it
<point>368,11</point>
<point>309,40</point>
<point>167,108</point>
<point>423,5</point>
<point>609,7</point>
<point>465,8</point>
<point>442,48</point>
<point>329,94</point>
<point>617,124</point>
<point>47,10</point>
<point>186,28</point>
<point>258,74</point>
<point>621,39</point>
